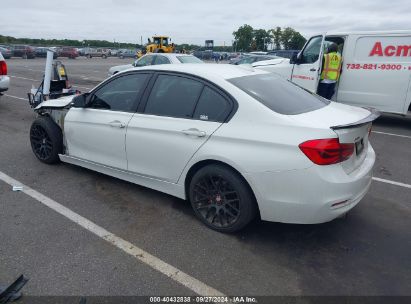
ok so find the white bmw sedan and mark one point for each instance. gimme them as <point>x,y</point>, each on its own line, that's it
<point>155,59</point>
<point>234,141</point>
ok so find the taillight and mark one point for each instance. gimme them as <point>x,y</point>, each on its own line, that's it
<point>3,68</point>
<point>326,151</point>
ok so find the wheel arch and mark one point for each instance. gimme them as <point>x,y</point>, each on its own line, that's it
<point>206,162</point>
<point>57,118</point>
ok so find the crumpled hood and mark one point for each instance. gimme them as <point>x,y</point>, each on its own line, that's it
<point>56,103</point>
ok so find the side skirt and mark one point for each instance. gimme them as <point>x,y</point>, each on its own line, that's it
<point>152,183</point>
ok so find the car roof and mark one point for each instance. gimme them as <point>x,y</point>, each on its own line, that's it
<point>170,54</point>
<point>224,71</point>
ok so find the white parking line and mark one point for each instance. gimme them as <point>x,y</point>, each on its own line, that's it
<point>391,134</point>
<point>83,77</point>
<point>391,182</point>
<point>11,96</point>
<point>173,273</point>
<point>77,86</point>
<point>31,79</point>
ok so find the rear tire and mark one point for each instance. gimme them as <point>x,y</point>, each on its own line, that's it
<point>221,198</point>
<point>46,140</point>
<point>104,56</point>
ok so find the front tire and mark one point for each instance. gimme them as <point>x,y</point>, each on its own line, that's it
<point>221,198</point>
<point>46,140</point>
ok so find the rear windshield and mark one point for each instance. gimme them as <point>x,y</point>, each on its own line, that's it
<point>278,94</point>
<point>188,59</point>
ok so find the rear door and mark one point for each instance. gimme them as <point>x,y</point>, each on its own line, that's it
<point>178,117</point>
<point>97,133</point>
<point>307,71</point>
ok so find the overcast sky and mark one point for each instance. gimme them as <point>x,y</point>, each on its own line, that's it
<point>193,21</point>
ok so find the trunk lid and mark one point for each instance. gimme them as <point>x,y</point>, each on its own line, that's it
<point>352,125</point>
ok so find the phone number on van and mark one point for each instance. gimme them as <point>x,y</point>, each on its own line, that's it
<point>395,67</point>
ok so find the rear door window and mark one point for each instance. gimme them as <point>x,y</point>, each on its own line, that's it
<point>278,94</point>
<point>212,106</point>
<point>173,96</point>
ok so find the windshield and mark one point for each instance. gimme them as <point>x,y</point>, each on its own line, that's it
<point>189,59</point>
<point>278,94</point>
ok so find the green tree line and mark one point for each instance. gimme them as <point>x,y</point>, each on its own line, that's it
<point>249,39</point>
<point>66,42</point>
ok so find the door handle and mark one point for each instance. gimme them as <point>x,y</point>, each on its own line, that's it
<point>117,124</point>
<point>313,70</point>
<point>194,132</point>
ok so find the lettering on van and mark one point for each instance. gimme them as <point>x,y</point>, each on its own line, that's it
<point>302,77</point>
<point>390,50</point>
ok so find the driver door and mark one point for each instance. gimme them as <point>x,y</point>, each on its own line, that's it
<point>97,133</point>
<point>307,70</point>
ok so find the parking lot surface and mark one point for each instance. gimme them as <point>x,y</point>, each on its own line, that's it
<point>366,253</point>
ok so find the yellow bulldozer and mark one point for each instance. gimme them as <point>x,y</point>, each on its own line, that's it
<point>160,44</point>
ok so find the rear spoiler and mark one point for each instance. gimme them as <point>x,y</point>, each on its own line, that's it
<point>374,114</point>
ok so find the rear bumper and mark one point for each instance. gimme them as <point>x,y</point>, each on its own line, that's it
<point>4,83</point>
<point>307,196</point>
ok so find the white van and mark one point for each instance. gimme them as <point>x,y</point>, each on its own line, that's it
<point>376,68</point>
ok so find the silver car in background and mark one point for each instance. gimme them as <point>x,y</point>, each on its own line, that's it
<point>155,59</point>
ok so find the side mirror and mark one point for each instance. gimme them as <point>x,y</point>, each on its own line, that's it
<point>294,59</point>
<point>80,101</point>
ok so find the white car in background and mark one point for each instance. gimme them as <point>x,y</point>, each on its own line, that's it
<point>4,79</point>
<point>234,141</point>
<point>155,59</point>
<point>270,62</point>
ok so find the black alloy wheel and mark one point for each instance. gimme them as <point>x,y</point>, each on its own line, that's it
<point>46,140</point>
<point>221,199</point>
